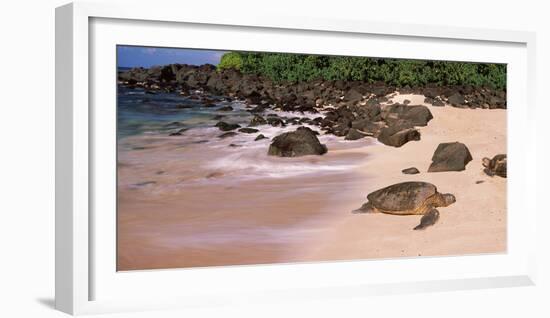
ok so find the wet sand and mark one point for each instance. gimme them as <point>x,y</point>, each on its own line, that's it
<point>188,203</point>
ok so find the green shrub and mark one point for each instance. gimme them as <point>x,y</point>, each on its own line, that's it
<point>230,60</point>
<point>281,67</point>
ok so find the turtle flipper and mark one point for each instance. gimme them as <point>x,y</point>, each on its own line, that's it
<point>428,219</point>
<point>365,208</point>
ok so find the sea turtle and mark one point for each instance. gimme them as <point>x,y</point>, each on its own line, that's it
<point>408,198</point>
<point>497,165</point>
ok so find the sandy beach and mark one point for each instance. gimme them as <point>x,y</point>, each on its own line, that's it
<point>475,224</point>
<point>185,205</point>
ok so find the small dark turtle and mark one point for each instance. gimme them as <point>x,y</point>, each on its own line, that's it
<point>495,166</point>
<point>408,198</point>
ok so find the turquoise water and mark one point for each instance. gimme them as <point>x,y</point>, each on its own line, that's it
<point>139,112</point>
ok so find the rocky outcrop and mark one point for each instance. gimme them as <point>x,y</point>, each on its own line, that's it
<point>457,100</point>
<point>350,109</point>
<point>398,134</point>
<point>300,142</point>
<point>368,127</point>
<point>353,96</point>
<point>416,115</point>
<point>297,96</point>
<point>354,134</point>
<point>452,156</point>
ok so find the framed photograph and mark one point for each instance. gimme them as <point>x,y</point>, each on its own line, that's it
<point>213,159</point>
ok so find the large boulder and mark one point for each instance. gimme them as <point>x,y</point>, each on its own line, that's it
<point>417,115</point>
<point>398,134</point>
<point>297,143</point>
<point>354,134</point>
<point>457,100</point>
<point>451,156</point>
<point>367,126</point>
<point>373,112</point>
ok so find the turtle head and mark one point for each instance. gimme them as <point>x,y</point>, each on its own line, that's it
<point>486,162</point>
<point>448,199</point>
<point>365,208</point>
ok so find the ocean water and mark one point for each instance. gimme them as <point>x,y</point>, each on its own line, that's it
<point>200,196</point>
<point>145,122</point>
<point>139,112</point>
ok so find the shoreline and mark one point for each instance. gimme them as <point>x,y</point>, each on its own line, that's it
<point>254,220</point>
<point>306,227</point>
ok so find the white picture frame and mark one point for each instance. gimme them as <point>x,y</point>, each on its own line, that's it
<point>79,265</point>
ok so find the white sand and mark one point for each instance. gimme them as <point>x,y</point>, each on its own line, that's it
<point>476,223</point>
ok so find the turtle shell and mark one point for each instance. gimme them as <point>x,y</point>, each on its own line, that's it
<point>405,196</point>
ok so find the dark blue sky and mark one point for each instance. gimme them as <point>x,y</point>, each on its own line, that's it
<point>134,56</point>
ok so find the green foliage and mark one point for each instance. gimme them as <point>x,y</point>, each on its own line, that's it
<point>284,67</point>
<point>230,60</point>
